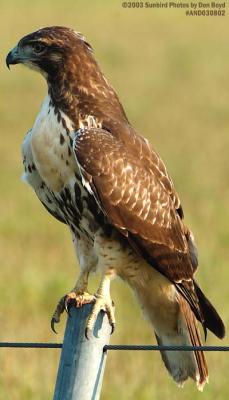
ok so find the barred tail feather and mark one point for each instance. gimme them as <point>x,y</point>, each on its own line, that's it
<point>195,340</point>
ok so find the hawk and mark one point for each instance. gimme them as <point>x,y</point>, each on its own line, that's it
<point>93,172</point>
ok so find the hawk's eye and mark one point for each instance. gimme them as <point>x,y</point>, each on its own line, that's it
<point>38,47</point>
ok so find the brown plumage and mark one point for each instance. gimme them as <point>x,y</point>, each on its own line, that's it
<point>95,173</point>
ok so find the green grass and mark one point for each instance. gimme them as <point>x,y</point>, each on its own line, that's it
<point>171,73</point>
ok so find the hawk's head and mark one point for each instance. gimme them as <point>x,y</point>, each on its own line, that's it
<point>49,49</point>
<point>76,84</point>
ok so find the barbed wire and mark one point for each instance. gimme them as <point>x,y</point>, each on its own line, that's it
<point>31,345</point>
<point>130,347</point>
<point>164,348</point>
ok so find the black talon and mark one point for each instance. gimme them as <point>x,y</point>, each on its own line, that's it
<point>112,327</point>
<point>53,321</point>
<point>66,305</point>
<point>88,333</point>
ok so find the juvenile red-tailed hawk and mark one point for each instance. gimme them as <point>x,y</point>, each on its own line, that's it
<point>95,173</point>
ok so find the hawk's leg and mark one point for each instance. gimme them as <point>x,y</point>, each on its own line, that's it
<point>77,297</point>
<point>104,303</point>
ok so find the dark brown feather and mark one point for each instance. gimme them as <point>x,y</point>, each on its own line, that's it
<point>212,319</point>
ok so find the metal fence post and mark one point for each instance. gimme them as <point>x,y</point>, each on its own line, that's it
<point>82,361</point>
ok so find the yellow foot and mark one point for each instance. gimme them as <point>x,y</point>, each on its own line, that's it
<point>101,304</point>
<point>70,299</point>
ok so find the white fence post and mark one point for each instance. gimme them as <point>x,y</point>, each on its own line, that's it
<point>82,361</point>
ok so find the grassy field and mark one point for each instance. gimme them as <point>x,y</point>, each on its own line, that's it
<point>171,73</point>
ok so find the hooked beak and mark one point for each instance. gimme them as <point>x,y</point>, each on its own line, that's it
<point>13,57</point>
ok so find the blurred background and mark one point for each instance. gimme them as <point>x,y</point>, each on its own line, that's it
<point>171,73</point>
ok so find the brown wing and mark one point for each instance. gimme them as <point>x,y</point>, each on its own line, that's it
<point>133,189</point>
